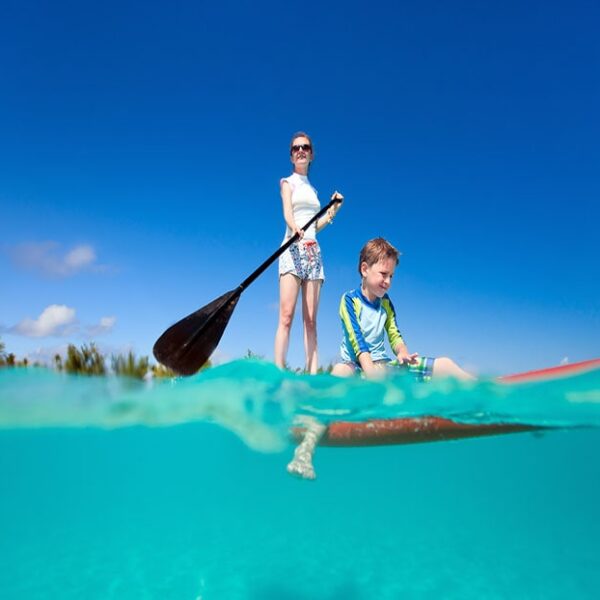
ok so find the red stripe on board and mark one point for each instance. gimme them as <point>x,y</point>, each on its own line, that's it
<point>552,372</point>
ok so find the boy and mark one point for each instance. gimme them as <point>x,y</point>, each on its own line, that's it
<point>367,315</point>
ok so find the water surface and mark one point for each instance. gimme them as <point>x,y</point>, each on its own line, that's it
<point>118,489</point>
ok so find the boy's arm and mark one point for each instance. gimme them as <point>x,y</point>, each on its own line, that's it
<point>369,368</point>
<point>394,336</point>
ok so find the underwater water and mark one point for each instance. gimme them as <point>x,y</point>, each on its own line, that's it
<point>111,488</point>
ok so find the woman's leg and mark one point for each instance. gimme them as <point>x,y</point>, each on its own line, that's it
<point>289,286</point>
<point>301,465</point>
<point>310,305</point>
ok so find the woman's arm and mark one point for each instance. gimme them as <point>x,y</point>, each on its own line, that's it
<point>327,219</point>
<point>288,211</point>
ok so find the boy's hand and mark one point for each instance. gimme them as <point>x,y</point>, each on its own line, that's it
<point>404,358</point>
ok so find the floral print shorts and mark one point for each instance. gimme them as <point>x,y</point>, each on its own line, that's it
<point>303,259</point>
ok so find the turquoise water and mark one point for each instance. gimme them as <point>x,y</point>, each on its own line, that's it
<point>119,489</point>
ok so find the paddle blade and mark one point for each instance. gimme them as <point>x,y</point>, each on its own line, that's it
<point>188,344</point>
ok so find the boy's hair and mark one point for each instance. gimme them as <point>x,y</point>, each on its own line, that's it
<point>375,250</point>
<point>301,134</point>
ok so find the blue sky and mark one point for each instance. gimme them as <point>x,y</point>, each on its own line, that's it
<point>141,145</point>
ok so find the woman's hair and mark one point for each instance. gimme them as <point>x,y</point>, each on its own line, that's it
<point>301,134</point>
<point>375,250</point>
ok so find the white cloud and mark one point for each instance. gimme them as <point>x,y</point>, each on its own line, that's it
<point>105,325</point>
<point>79,257</point>
<point>58,320</point>
<point>55,320</point>
<point>47,258</point>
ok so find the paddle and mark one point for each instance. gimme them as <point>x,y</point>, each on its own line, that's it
<point>188,344</point>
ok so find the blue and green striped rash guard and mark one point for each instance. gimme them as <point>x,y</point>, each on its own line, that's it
<point>364,323</point>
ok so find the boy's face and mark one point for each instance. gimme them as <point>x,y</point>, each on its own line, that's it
<point>377,278</point>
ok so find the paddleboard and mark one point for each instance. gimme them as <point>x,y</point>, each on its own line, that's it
<point>382,432</point>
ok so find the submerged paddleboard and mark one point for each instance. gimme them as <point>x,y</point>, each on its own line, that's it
<point>381,432</point>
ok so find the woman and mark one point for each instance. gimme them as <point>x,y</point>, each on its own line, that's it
<point>301,266</point>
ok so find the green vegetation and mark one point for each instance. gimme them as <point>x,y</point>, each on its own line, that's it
<point>162,371</point>
<point>86,360</point>
<point>130,366</point>
<point>10,360</point>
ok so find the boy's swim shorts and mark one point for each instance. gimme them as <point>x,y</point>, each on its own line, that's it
<point>422,369</point>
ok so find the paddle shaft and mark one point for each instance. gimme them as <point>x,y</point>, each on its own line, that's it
<point>240,288</point>
<point>282,249</point>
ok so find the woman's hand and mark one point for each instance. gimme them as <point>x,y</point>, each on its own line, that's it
<point>333,209</point>
<point>338,198</point>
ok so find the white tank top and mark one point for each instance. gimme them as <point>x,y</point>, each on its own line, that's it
<point>305,204</point>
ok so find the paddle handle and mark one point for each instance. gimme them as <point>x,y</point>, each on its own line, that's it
<point>283,248</point>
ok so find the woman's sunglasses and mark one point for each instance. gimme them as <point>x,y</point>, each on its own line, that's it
<point>298,147</point>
